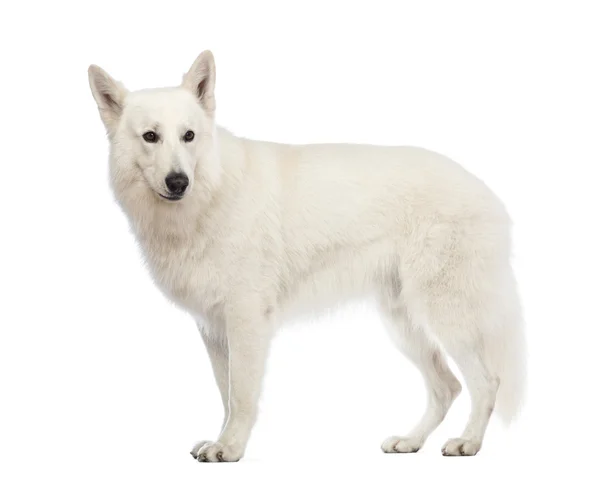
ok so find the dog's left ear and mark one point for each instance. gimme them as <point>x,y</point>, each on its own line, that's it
<point>109,95</point>
<point>200,80</point>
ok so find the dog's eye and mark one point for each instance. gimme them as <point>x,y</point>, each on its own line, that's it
<point>150,137</point>
<point>188,136</point>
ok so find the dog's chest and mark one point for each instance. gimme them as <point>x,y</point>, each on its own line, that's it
<point>190,274</point>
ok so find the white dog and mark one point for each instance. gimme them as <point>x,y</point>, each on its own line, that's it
<point>244,233</point>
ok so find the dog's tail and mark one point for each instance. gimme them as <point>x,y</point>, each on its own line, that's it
<point>507,354</point>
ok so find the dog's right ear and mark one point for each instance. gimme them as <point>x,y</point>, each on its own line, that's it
<point>109,95</point>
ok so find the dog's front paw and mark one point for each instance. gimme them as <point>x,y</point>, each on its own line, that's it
<point>197,448</point>
<point>214,452</point>
<point>460,447</point>
<point>402,444</point>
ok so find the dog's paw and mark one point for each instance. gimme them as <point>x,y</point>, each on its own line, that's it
<point>460,447</point>
<point>214,452</point>
<point>401,445</point>
<point>197,448</point>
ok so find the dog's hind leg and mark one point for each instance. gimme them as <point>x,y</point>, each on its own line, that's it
<point>460,311</point>
<point>442,385</point>
<point>482,385</point>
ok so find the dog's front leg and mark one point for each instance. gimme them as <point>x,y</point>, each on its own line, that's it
<point>248,337</point>
<point>218,353</point>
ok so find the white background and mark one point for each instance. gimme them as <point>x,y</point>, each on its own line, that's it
<point>101,376</point>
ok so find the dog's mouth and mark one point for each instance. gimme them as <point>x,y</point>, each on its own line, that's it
<point>172,197</point>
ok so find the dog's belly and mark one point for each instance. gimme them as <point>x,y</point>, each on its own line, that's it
<point>339,277</point>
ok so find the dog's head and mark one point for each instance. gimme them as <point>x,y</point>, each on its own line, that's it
<point>162,140</point>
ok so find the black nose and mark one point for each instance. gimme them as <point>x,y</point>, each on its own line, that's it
<point>177,183</point>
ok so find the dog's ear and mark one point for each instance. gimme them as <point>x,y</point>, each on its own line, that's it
<point>109,95</point>
<point>200,80</point>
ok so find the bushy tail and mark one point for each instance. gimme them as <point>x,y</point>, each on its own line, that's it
<point>507,354</point>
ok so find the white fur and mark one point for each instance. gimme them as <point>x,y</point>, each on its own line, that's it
<point>266,231</point>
